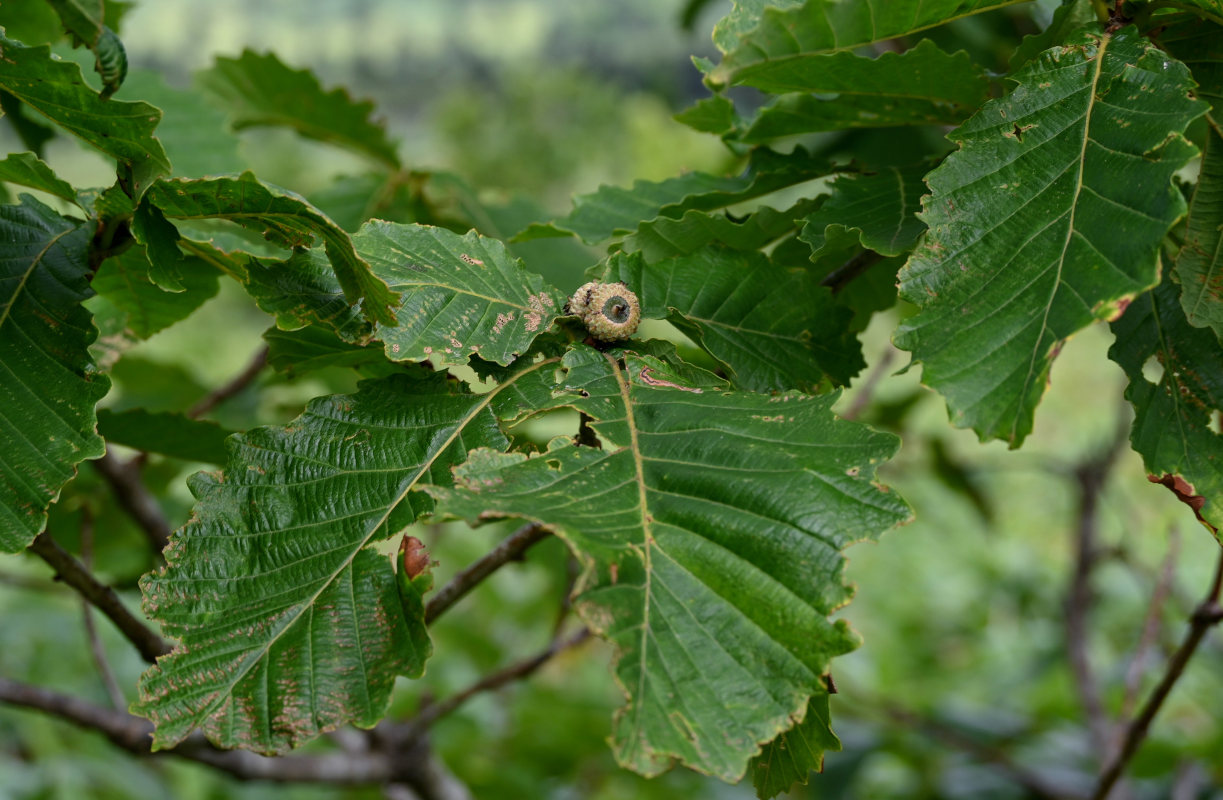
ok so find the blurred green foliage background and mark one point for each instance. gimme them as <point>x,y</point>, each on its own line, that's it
<point>962,612</point>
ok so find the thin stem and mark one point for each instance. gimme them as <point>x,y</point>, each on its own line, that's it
<point>866,391</point>
<point>432,712</point>
<point>133,734</point>
<point>1150,626</point>
<point>840,277</point>
<point>73,573</point>
<point>1204,617</point>
<point>135,498</point>
<point>239,382</point>
<point>1091,477</point>
<point>511,549</point>
<point>96,650</point>
<point>415,767</point>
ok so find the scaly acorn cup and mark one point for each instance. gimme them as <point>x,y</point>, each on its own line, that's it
<point>612,312</point>
<point>581,299</point>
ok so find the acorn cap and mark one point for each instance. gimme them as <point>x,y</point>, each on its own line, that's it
<point>612,312</point>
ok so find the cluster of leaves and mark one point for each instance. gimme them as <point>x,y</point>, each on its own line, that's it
<point>710,491</point>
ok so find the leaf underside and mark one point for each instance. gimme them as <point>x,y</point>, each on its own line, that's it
<point>288,625</point>
<point>1023,248</point>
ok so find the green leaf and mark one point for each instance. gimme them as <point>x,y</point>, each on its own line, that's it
<point>57,90</point>
<point>315,347</point>
<point>832,91</point>
<point>302,290</point>
<point>49,384</point>
<point>665,237</point>
<point>1068,18</point>
<point>166,433</point>
<point>84,20</point>
<point>791,757</point>
<point>260,90</point>
<point>613,210</point>
<point>29,170</point>
<point>710,115</point>
<point>123,282</point>
<point>1023,248</point>
<point>881,207</point>
<point>1172,425</point>
<point>709,528</point>
<point>313,634</point>
<point>774,327</point>
<point>160,239</point>
<point>284,219</point>
<point>798,31</point>
<point>459,295</point>
<point>743,17</point>
<point>1199,267</point>
<point>1211,9</point>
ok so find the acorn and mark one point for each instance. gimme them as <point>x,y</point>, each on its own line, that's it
<point>581,299</point>
<point>612,312</point>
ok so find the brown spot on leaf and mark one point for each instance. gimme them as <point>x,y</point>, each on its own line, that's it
<point>414,557</point>
<point>1184,492</point>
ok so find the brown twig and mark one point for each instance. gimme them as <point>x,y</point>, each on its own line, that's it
<point>432,712</point>
<point>96,649</point>
<point>239,382</point>
<point>416,767</point>
<point>511,549</point>
<point>840,277</point>
<point>1091,476</point>
<point>135,498</point>
<point>1150,626</point>
<point>73,573</point>
<point>866,391</point>
<point>1204,617</point>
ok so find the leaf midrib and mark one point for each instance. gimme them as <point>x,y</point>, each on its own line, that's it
<point>1105,41</point>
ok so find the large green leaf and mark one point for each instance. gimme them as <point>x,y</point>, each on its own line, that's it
<point>260,90</point>
<point>880,206</point>
<point>665,237</point>
<point>791,757</point>
<point>315,347</point>
<point>1023,248</point>
<point>613,210</point>
<point>48,382</point>
<point>1199,266</point>
<point>796,32</point>
<point>288,624</point>
<point>284,219</point>
<point>57,90</point>
<point>29,170</point>
<point>831,91</point>
<point>459,295</point>
<point>774,327</point>
<point>123,282</point>
<point>710,527</point>
<point>1172,412</point>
